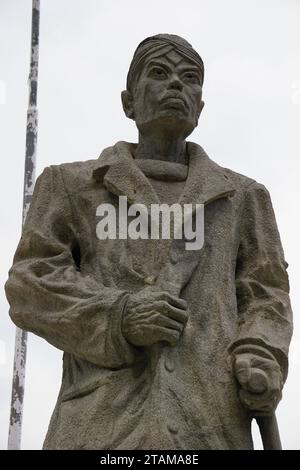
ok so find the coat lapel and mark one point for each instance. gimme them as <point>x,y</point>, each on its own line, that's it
<point>121,176</point>
<point>206,180</point>
<point>205,183</point>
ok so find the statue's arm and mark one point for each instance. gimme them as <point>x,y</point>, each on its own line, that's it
<point>50,297</point>
<point>262,289</point>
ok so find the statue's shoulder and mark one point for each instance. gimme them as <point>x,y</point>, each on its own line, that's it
<point>75,168</point>
<point>77,176</point>
<point>81,175</point>
<point>206,164</point>
<point>240,181</point>
<point>246,185</point>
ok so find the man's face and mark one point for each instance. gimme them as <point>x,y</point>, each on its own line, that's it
<point>167,96</point>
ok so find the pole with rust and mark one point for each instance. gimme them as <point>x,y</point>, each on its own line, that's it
<point>17,397</point>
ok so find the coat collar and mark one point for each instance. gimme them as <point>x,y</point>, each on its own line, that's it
<point>205,183</point>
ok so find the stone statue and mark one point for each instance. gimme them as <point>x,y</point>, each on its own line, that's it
<point>162,345</point>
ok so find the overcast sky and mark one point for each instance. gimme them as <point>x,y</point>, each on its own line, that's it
<point>250,123</point>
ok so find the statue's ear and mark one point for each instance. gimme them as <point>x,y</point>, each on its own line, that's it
<point>127,101</point>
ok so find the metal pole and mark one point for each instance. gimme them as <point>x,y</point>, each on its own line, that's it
<point>17,396</point>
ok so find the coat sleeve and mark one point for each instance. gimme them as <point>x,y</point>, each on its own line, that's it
<point>47,293</point>
<point>262,284</point>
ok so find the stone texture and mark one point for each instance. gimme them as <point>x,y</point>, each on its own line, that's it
<point>133,385</point>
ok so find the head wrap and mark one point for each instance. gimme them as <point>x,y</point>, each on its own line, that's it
<point>156,46</point>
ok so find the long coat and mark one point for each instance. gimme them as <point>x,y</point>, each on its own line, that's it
<point>71,288</point>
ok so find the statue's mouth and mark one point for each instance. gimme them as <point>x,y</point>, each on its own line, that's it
<point>174,101</point>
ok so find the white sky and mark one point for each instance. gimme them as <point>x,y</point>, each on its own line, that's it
<point>251,123</point>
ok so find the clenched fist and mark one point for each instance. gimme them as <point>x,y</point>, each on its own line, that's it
<point>261,382</point>
<point>151,316</point>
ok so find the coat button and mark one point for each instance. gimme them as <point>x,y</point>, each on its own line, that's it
<point>173,257</point>
<point>169,364</point>
<point>172,427</point>
<point>150,280</point>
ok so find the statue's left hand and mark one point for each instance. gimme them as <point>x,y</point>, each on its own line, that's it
<point>260,380</point>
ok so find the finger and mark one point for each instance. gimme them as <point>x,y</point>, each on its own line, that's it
<point>172,300</point>
<point>263,363</point>
<point>164,309</point>
<point>178,314</point>
<point>170,323</point>
<point>156,319</point>
<point>242,370</point>
<point>258,381</point>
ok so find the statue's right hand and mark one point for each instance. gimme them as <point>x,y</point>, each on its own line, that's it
<point>152,316</point>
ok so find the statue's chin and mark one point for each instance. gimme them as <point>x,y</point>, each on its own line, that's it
<point>170,125</point>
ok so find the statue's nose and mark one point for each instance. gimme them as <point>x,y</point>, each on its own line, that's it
<point>175,84</point>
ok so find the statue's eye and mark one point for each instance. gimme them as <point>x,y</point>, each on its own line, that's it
<point>158,73</point>
<point>191,77</point>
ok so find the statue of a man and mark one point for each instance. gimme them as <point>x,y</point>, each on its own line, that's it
<point>162,345</point>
